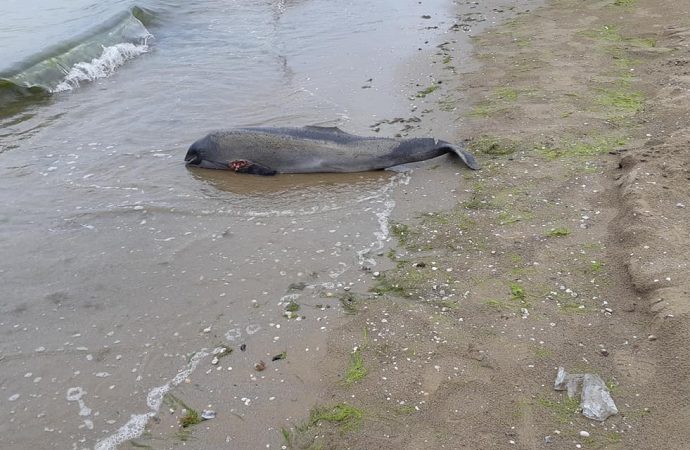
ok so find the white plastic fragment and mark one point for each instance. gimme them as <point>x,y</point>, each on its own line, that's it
<point>569,382</point>
<point>208,414</point>
<point>596,402</point>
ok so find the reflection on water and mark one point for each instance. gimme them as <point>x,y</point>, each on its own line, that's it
<point>288,185</point>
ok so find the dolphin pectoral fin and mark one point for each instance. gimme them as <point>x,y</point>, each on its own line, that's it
<point>250,167</point>
<point>329,129</point>
<point>466,156</point>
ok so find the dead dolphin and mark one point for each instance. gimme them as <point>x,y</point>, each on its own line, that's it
<point>267,151</point>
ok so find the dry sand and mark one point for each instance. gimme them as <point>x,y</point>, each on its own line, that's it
<point>568,249</point>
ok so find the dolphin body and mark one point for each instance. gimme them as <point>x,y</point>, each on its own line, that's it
<point>268,151</point>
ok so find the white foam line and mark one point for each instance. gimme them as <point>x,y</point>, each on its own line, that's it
<point>96,186</point>
<point>137,422</point>
<point>382,234</point>
<point>101,67</point>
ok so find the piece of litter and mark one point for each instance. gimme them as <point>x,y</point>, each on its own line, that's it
<point>596,402</point>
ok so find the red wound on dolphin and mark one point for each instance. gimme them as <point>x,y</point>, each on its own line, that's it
<point>239,164</point>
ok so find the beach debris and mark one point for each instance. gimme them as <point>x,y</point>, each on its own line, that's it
<point>243,347</point>
<point>279,356</point>
<point>260,366</point>
<point>596,402</point>
<point>220,352</point>
<point>292,306</point>
<point>208,414</point>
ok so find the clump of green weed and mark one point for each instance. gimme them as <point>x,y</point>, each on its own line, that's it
<point>558,232</point>
<point>190,418</point>
<point>625,3</point>
<point>507,218</point>
<point>621,99</point>
<point>607,33</point>
<point>474,203</point>
<point>582,149</point>
<point>517,291</point>
<point>563,410</point>
<point>507,94</point>
<point>492,146</point>
<point>292,306</point>
<point>401,282</point>
<point>543,353</point>
<point>424,92</point>
<point>356,370</point>
<point>596,266</point>
<point>485,109</point>
<point>613,386</point>
<point>385,285</point>
<point>346,417</point>
<point>348,302</point>
<point>402,232</point>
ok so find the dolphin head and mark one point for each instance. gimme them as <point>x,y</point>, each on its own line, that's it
<point>215,152</point>
<point>204,153</point>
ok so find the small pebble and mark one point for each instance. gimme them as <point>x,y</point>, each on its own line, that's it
<point>680,205</point>
<point>584,433</point>
<point>651,337</point>
<point>548,439</point>
<point>208,414</point>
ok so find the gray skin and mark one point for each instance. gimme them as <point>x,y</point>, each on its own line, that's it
<point>267,151</point>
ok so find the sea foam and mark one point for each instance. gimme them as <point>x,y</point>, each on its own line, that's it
<point>136,424</point>
<point>112,57</point>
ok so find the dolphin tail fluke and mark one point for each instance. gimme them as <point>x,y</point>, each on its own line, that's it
<point>466,156</point>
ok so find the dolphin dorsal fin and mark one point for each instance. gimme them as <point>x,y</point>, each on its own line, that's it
<point>328,129</point>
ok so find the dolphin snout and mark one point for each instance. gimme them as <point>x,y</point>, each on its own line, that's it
<point>201,154</point>
<point>193,157</point>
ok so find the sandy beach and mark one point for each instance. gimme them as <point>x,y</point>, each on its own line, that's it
<point>569,249</point>
<point>152,305</point>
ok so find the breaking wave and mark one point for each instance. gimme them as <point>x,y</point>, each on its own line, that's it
<point>93,55</point>
<point>101,67</point>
